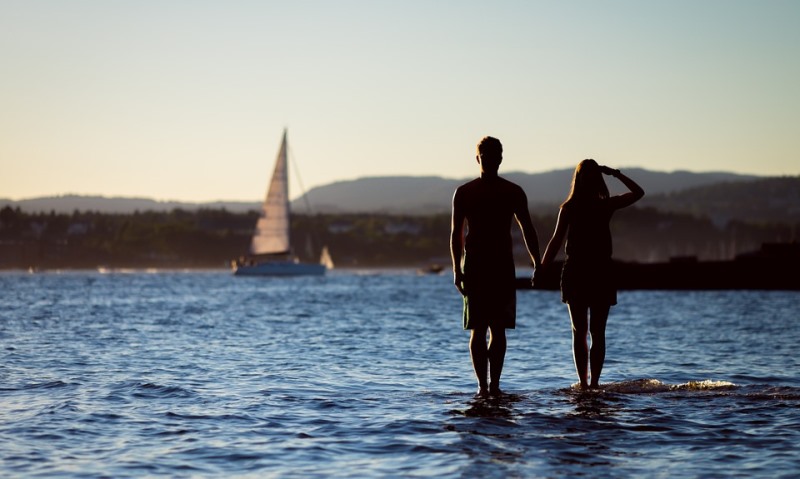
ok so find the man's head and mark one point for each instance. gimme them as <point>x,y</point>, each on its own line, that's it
<point>490,154</point>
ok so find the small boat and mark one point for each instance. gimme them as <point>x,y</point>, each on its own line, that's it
<point>270,247</point>
<point>433,268</point>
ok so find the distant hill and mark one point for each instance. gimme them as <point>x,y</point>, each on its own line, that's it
<point>429,195</point>
<point>719,195</point>
<point>764,200</point>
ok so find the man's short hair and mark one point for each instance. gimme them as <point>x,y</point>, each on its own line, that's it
<point>489,144</point>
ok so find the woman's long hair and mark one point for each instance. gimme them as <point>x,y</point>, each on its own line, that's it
<point>587,184</point>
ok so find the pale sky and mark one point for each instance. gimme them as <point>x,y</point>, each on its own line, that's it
<point>187,100</point>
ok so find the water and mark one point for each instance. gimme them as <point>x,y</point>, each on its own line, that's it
<point>367,375</point>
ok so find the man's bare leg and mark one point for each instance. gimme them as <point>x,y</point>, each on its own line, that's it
<point>480,358</point>
<point>497,355</point>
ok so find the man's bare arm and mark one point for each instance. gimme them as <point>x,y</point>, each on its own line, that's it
<point>529,235</point>
<point>457,241</point>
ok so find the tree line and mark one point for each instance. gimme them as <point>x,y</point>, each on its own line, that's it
<point>211,238</point>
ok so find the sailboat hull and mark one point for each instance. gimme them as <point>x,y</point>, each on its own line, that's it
<point>280,268</point>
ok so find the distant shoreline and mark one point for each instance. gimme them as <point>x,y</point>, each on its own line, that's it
<point>158,270</point>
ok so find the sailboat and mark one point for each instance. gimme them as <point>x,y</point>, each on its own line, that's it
<point>270,247</point>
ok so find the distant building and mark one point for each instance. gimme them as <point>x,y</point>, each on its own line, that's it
<point>404,227</point>
<point>77,229</point>
<point>340,227</point>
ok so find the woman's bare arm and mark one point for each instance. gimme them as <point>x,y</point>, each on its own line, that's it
<point>626,199</point>
<point>558,238</point>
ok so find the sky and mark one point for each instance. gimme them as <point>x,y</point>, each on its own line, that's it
<point>188,100</point>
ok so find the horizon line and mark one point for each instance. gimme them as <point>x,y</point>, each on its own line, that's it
<point>220,200</point>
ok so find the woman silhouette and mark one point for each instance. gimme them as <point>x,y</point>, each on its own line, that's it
<point>587,280</point>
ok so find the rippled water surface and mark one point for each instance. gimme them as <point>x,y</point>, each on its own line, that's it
<point>202,374</point>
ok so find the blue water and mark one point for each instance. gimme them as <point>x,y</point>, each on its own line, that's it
<point>201,374</point>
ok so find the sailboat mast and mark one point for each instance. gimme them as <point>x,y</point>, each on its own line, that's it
<point>282,187</point>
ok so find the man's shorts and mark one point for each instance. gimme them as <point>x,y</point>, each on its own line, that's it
<point>496,307</point>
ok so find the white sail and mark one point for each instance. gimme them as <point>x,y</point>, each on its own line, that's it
<point>272,229</point>
<point>325,258</point>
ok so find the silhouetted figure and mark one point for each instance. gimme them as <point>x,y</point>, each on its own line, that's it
<point>483,261</point>
<point>587,280</point>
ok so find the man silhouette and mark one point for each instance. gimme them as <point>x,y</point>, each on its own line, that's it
<point>483,260</point>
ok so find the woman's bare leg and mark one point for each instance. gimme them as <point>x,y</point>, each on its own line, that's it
<point>597,329</point>
<point>579,316</point>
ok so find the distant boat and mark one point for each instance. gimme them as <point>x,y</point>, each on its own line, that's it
<point>433,268</point>
<point>270,247</point>
<point>325,258</point>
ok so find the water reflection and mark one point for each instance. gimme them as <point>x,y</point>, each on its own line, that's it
<point>501,406</point>
<point>593,404</point>
<point>490,436</point>
<point>560,432</point>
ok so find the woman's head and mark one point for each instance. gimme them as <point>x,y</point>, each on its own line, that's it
<point>588,182</point>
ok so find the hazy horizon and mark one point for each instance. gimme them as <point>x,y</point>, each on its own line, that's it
<point>298,195</point>
<point>187,101</point>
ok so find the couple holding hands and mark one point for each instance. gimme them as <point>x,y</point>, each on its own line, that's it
<point>483,262</point>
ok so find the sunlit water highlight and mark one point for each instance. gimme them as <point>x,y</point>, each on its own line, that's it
<point>368,375</point>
